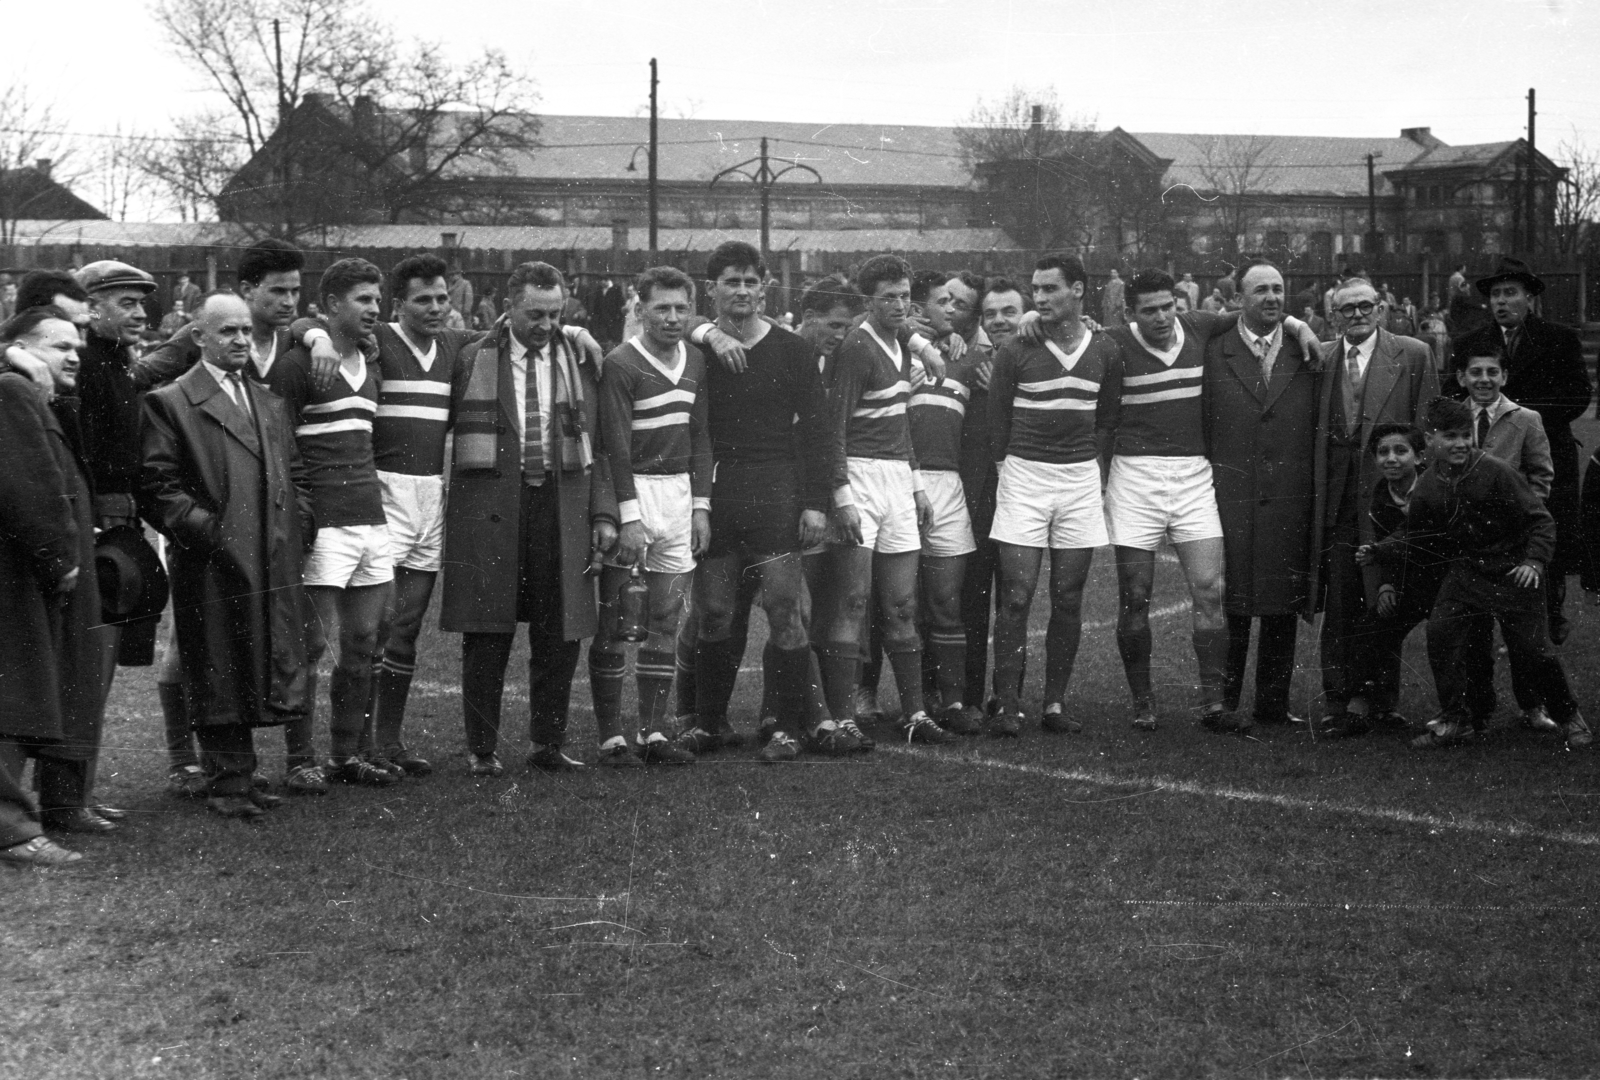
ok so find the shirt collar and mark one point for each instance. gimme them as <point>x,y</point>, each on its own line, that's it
<point>1255,340</point>
<point>217,373</point>
<point>1363,349</point>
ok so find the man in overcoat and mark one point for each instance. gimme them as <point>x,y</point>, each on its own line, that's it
<point>530,502</point>
<point>1545,372</point>
<point>1261,433</point>
<point>1372,377</point>
<point>223,481</point>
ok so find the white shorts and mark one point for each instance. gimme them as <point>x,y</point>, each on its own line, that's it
<point>1042,504</point>
<point>414,506</point>
<point>349,556</point>
<point>1151,498</point>
<point>666,510</point>
<point>950,532</point>
<point>886,501</point>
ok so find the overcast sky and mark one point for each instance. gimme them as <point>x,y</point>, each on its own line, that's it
<point>1356,68</point>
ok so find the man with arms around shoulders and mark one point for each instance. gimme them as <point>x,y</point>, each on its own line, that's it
<point>1261,429</point>
<point>223,480</point>
<point>530,504</point>
<point>1371,377</point>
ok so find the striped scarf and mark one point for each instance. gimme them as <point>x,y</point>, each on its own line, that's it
<point>478,416</point>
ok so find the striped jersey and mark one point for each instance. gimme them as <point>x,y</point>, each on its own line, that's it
<point>333,429</point>
<point>870,391</point>
<point>414,410</point>
<point>1156,408</point>
<point>653,420</point>
<point>1048,405</point>
<point>938,412</point>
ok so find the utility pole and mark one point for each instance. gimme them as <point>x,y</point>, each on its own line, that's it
<point>1372,206</point>
<point>653,194</point>
<point>1529,186</point>
<point>283,127</point>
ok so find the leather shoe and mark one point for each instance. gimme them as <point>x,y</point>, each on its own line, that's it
<point>110,813</point>
<point>234,806</point>
<point>1346,726</point>
<point>263,800</point>
<point>78,819</point>
<point>551,759</point>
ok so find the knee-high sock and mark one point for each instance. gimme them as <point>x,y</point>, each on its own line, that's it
<point>1134,645</point>
<point>905,658</point>
<point>347,710</point>
<point>653,670</point>
<point>716,669</point>
<point>1211,653</point>
<point>949,651</point>
<point>788,675</point>
<point>686,690</point>
<point>816,702</point>
<point>393,688</point>
<point>369,717</point>
<point>606,671</point>
<point>175,719</point>
<point>772,704</point>
<point>839,664</point>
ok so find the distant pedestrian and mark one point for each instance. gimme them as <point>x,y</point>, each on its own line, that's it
<point>1112,302</point>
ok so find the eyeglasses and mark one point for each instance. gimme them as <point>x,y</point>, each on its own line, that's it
<point>1350,311</point>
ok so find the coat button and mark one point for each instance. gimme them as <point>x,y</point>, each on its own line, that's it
<point>494,517</point>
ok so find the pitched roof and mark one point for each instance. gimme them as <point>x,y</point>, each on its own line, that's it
<point>1286,164</point>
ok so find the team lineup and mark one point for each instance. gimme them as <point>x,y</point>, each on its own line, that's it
<point>885,481</point>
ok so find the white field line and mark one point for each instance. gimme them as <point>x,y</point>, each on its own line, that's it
<point>1478,826</point>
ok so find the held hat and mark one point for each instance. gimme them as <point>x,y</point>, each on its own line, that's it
<point>111,274</point>
<point>1512,269</point>
<point>133,584</point>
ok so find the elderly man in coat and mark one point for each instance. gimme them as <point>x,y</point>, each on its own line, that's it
<point>1372,377</point>
<point>530,503</point>
<point>1261,434</point>
<point>223,481</point>
<point>1545,372</point>
<point>50,652</point>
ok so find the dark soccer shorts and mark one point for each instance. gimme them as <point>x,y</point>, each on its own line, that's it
<point>755,510</point>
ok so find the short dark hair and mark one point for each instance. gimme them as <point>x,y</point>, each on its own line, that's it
<point>1071,267</point>
<point>923,282</point>
<point>663,277</point>
<point>1447,414</point>
<point>1149,280</point>
<point>1001,285</point>
<point>1461,359</point>
<point>39,288</point>
<point>736,254</point>
<point>537,275</point>
<point>27,321</point>
<point>969,279</point>
<point>878,269</point>
<point>1248,265</point>
<point>831,292</point>
<point>423,266</point>
<point>1382,431</point>
<point>345,275</point>
<point>269,256</point>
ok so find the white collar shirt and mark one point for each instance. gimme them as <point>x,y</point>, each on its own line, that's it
<point>545,372</point>
<point>1360,353</point>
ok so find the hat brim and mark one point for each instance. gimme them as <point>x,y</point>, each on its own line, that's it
<point>1528,281</point>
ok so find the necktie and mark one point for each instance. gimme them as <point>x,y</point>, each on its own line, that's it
<point>1513,339</point>
<point>236,391</point>
<point>1483,427</point>
<point>532,433</point>
<point>1264,354</point>
<point>1352,389</point>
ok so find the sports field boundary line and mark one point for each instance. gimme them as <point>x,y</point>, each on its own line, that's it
<point>1172,785</point>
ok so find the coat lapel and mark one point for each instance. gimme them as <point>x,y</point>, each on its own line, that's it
<point>1288,365</point>
<point>1383,375</point>
<point>1246,365</point>
<point>207,397</point>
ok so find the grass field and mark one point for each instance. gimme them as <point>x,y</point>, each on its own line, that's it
<point>1109,903</point>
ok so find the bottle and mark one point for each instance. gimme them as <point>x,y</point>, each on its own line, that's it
<point>633,608</point>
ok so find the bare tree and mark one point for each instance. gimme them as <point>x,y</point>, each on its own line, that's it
<point>1577,196</point>
<point>31,154</point>
<point>353,125</point>
<point>1039,170</point>
<point>1235,176</point>
<point>189,170</point>
<point>121,181</point>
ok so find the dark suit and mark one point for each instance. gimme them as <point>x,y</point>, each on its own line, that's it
<point>1261,438</point>
<point>229,491</point>
<point>1545,372</point>
<point>1399,381</point>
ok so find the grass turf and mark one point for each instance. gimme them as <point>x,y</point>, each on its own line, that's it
<point>1173,904</point>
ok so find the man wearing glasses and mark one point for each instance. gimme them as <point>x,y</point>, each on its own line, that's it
<point>1371,377</point>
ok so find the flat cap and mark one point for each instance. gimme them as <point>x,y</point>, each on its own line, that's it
<point>111,274</point>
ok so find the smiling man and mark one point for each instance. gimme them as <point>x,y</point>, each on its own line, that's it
<point>1372,377</point>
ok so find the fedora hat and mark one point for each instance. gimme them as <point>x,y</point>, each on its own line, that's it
<point>133,584</point>
<point>1512,269</point>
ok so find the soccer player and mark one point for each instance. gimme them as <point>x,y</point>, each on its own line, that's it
<point>349,572</point>
<point>1046,422</point>
<point>880,504</point>
<point>653,409</point>
<point>771,493</point>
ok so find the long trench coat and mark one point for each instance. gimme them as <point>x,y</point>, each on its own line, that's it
<point>1262,438</point>
<point>231,495</point>
<point>482,541</point>
<point>51,646</point>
